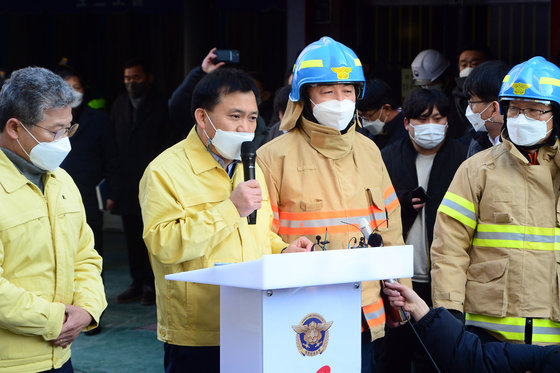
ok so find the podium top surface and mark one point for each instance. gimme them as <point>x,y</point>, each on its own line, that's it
<point>280,271</point>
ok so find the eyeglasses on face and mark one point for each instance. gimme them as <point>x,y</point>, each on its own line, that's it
<point>63,132</point>
<point>530,113</point>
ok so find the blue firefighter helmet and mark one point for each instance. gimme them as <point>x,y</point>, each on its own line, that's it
<point>326,61</point>
<point>535,79</point>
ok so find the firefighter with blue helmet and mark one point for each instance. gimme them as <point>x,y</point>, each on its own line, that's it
<point>323,174</point>
<point>495,255</point>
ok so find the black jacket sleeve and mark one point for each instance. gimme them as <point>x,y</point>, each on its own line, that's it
<point>456,350</point>
<point>180,101</point>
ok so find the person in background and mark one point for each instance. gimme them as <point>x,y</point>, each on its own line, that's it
<point>421,167</point>
<point>470,56</point>
<point>92,159</point>
<point>280,102</point>
<point>50,273</point>
<point>180,101</point>
<point>494,257</point>
<point>322,175</point>
<point>194,206</point>
<point>431,70</point>
<point>380,114</point>
<point>482,87</point>
<point>142,131</point>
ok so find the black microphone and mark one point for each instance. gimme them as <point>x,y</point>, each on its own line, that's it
<point>375,240</point>
<point>248,156</point>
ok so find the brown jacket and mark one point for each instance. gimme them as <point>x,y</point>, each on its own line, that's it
<point>495,252</point>
<point>319,180</point>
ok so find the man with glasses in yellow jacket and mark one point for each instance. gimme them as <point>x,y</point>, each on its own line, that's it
<point>496,254</point>
<point>50,273</point>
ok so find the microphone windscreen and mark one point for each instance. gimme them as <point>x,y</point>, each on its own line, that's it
<point>375,240</point>
<point>248,147</point>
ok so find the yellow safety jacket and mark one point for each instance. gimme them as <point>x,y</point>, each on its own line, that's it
<point>190,223</point>
<point>496,249</point>
<point>47,260</point>
<point>319,181</point>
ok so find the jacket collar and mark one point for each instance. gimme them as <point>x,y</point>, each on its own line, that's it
<point>545,154</point>
<point>291,115</point>
<point>12,179</point>
<point>200,157</point>
<point>328,141</point>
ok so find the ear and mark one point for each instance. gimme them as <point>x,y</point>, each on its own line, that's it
<point>406,124</point>
<point>12,128</point>
<point>151,78</point>
<point>200,118</point>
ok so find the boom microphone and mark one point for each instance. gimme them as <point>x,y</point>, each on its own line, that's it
<point>248,156</point>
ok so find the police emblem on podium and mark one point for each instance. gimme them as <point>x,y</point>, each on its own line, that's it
<point>312,334</point>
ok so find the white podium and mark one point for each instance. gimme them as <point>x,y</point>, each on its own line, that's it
<point>297,312</point>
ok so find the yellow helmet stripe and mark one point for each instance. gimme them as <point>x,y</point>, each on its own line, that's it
<point>357,62</point>
<point>506,79</point>
<point>551,81</point>
<point>311,63</point>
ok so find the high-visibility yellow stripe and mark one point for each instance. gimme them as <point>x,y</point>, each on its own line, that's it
<point>511,244</point>
<point>460,200</point>
<point>517,237</point>
<point>551,81</point>
<point>311,63</point>
<point>506,79</point>
<point>457,216</point>
<point>357,62</point>
<point>458,208</point>
<point>541,231</point>
<point>513,328</point>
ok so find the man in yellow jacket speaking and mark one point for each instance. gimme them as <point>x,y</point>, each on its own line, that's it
<point>50,274</point>
<point>194,207</point>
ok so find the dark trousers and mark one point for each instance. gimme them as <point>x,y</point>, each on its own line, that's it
<point>189,359</point>
<point>368,361</point>
<point>138,261</point>
<point>66,368</point>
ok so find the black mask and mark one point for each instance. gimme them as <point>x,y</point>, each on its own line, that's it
<point>136,89</point>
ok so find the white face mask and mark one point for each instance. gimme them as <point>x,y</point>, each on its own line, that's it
<point>78,100</point>
<point>476,118</point>
<point>335,114</point>
<point>48,155</point>
<point>429,135</point>
<point>375,127</point>
<point>525,131</point>
<point>228,143</point>
<point>465,72</point>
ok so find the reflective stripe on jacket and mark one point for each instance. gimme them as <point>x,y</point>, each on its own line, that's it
<point>190,223</point>
<point>319,181</point>
<point>47,260</point>
<point>496,250</point>
<point>513,328</point>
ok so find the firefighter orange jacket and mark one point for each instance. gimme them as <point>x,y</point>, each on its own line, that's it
<point>320,180</point>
